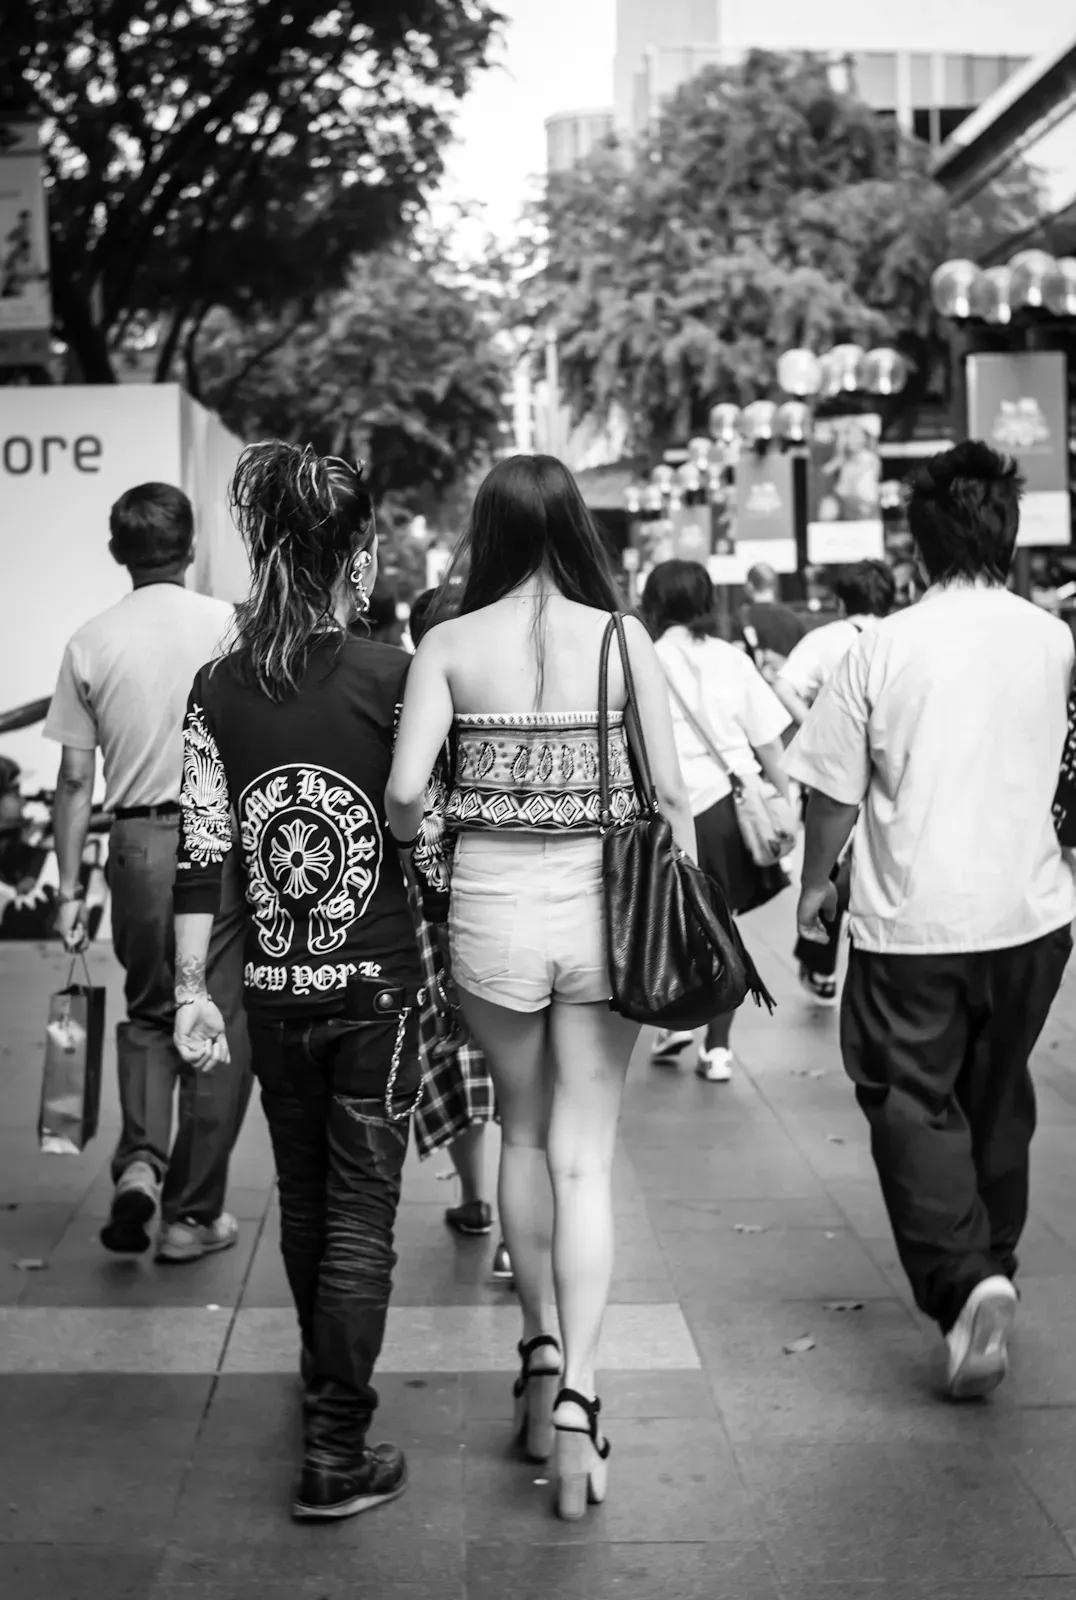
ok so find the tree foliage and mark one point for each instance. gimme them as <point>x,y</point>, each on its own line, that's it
<point>402,366</point>
<point>765,210</point>
<point>228,153</point>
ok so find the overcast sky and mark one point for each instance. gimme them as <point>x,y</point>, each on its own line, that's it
<point>557,55</point>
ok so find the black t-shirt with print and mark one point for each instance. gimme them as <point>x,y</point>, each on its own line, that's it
<point>306,779</point>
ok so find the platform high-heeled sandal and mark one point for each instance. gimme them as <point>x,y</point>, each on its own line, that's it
<point>582,1459</point>
<point>534,1392</point>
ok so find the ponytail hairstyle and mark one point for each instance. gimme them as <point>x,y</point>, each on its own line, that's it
<point>303,519</point>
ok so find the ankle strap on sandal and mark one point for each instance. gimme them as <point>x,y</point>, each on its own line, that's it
<point>528,1349</point>
<point>592,1408</point>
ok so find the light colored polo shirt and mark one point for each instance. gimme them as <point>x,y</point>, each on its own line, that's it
<point>946,723</point>
<point>818,655</point>
<point>123,688</point>
<point>731,698</point>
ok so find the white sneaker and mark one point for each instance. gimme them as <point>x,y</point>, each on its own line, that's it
<point>978,1359</point>
<point>715,1065</point>
<point>190,1241</point>
<point>668,1045</point>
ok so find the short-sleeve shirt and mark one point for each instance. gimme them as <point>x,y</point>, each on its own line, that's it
<point>731,699</point>
<point>306,778</point>
<point>945,723</point>
<point>123,687</point>
<point>818,655</point>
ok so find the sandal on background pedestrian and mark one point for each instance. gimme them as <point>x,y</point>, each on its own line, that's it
<point>473,1219</point>
<point>534,1392</point>
<point>582,1459</point>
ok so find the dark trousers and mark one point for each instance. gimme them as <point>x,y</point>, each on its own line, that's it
<point>211,1105</point>
<point>339,1159</point>
<point>938,1049</point>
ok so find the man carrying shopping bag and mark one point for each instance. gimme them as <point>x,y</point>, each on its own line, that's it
<point>123,689</point>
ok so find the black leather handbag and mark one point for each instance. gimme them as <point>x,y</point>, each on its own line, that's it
<point>676,958</point>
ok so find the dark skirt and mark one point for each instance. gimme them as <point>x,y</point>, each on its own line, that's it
<point>723,854</point>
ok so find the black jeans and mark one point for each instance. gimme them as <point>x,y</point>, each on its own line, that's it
<point>211,1105</point>
<point>339,1159</point>
<point>938,1049</point>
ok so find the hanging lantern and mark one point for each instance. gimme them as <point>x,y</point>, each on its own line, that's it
<point>890,494</point>
<point>842,370</point>
<point>1031,270</point>
<point>756,423</point>
<point>1061,288</point>
<point>953,287</point>
<point>653,499</point>
<point>633,499</point>
<point>993,301</point>
<point>699,450</point>
<point>792,422</point>
<point>724,423</point>
<point>716,487</point>
<point>799,372</point>
<point>884,371</point>
<point>663,477</point>
<point>688,478</point>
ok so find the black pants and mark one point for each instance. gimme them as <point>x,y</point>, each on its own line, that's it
<point>938,1048</point>
<point>339,1158</point>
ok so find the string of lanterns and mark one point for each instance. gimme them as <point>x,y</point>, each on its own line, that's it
<point>1033,281</point>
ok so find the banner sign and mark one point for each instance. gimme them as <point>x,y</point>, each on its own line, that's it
<point>765,511</point>
<point>844,518</point>
<point>1019,404</point>
<point>25,307</point>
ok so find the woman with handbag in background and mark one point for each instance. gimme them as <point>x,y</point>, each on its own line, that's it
<point>516,676</point>
<point>728,724</point>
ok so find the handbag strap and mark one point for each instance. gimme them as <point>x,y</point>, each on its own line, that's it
<point>735,781</point>
<point>649,794</point>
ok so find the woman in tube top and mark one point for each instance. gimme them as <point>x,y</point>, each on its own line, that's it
<point>515,675</point>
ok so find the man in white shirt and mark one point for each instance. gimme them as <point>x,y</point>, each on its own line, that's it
<point>942,730</point>
<point>123,688</point>
<point>866,592</point>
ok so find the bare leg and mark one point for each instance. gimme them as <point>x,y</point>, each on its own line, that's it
<point>717,1034</point>
<point>515,1044</point>
<point>591,1048</point>
<point>466,1151</point>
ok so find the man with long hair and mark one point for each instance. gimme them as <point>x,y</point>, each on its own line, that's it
<point>122,689</point>
<point>942,730</point>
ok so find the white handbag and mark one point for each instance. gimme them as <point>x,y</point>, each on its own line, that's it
<point>767,821</point>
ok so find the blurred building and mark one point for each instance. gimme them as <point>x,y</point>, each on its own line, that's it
<point>927,65</point>
<point>570,136</point>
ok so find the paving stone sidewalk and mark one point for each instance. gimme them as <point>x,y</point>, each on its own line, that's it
<point>149,1415</point>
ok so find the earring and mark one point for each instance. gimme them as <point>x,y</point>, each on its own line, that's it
<point>358,567</point>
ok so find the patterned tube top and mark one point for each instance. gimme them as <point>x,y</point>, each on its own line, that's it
<point>537,773</point>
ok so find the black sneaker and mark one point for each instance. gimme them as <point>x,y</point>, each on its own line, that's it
<point>326,1494</point>
<point>134,1207</point>
<point>472,1219</point>
<point>823,991</point>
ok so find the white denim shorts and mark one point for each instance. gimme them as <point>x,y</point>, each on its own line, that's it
<point>527,919</point>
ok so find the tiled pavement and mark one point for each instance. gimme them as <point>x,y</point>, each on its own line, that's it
<point>148,1416</point>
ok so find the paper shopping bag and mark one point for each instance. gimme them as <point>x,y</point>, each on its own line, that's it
<point>74,1046</point>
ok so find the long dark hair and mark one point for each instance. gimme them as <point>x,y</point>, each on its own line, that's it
<point>529,520</point>
<point>679,594</point>
<point>303,518</point>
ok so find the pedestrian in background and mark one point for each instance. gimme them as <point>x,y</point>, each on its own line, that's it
<point>122,688</point>
<point>769,631</point>
<point>942,731</point>
<point>865,592</point>
<point>728,726</point>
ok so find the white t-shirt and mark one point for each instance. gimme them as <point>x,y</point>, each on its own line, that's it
<point>727,692</point>
<point>123,687</point>
<point>819,653</point>
<point>946,724</point>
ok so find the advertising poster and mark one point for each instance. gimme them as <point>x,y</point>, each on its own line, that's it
<point>1018,403</point>
<point>765,511</point>
<point>844,516</point>
<point>25,310</point>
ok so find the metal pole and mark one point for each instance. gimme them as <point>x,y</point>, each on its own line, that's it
<point>552,381</point>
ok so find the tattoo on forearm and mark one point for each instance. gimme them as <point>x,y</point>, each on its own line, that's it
<point>190,978</point>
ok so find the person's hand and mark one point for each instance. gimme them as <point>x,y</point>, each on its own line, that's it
<point>71,926</point>
<point>816,908</point>
<point>199,1035</point>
